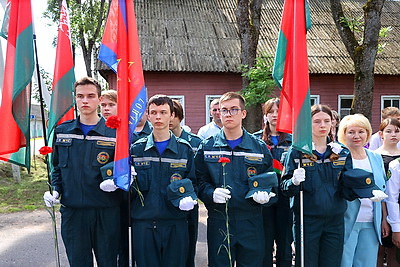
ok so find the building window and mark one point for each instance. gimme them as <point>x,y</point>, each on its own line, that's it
<point>344,105</point>
<point>181,100</point>
<point>209,98</point>
<point>390,101</point>
<point>314,99</point>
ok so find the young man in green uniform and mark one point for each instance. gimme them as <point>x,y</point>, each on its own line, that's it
<point>89,216</point>
<point>250,161</point>
<point>162,193</point>
<point>194,141</point>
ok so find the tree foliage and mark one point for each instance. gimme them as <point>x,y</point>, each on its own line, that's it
<point>361,39</point>
<point>47,79</point>
<point>87,19</point>
<point>261,83</point>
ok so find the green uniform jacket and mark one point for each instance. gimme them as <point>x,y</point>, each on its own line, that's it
<point>147,129</point>
<point>192,139</point>
<point>322,189</point>
<point>154,173</point>
<point>251,157</point>
<point>77,160</point>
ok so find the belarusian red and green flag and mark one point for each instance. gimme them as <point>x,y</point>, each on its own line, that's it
<point>16,92</point>
<point>278,167</point>
<point>120,50</point>
<point>291,74</point>
<point>62,99</point>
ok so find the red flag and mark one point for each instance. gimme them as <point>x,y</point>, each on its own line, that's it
<point>291,74</point>
<point>120,50</point>
<point>16,94</point>
<point>62,99</point>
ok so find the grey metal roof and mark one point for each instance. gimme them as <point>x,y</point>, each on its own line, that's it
<point>202,36</point>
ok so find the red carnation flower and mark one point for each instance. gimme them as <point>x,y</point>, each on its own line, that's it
<point>113,122</point>
<point>224,160</point>
<point>44,150</point>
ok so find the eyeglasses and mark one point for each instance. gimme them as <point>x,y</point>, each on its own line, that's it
<point>232,112</point>
<point>215,110</point>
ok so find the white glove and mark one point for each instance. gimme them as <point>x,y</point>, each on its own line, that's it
<point>221,195</point>
<point>262,197</point>
<point>187,203</point>
<point>299,175</point>
<point>51,199</point>
<point>379,195</point>
<point>108,185</point>
<point>133,173</point>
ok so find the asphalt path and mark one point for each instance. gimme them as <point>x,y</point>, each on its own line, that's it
<point>26,240</point>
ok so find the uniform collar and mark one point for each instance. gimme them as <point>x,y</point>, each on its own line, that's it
<point>100,127</point>
<point>220,140</point>
<point>172,145</point>
<point>184,135</point>
<point>146,128</point>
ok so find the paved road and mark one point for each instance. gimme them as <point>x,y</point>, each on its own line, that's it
<point>26,240</point>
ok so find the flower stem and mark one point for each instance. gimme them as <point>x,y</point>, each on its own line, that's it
<point>228,235</point>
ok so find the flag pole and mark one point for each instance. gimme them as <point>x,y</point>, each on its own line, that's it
<point>301,219</point>
<point>52,209</point>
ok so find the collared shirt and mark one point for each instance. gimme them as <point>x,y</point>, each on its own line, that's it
<point>393,190</point>
<point>208,130</point>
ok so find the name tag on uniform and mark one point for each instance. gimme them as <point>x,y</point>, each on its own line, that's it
<point>256,159</point>
<point>142,163</point>
<point>177,165</point>
<point>338,163</point>
<point>64,140</point>
<point>210,156</point>
<point>105,143</point>
<point>308,164</point>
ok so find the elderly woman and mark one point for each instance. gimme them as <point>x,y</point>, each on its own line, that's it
<point>363,216</point>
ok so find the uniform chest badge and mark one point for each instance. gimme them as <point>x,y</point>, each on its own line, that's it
<point>251,171</point>
<point>102,157</point>
<point>175,177</point>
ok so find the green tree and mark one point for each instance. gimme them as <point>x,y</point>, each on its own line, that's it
<point>362,46</point>
<point>47,78</point>
<point>88,18</point>
<point>260,80</point>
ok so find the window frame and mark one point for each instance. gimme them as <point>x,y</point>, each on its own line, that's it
<point>340,97</point>
<point>181,99</point>
<point>389,97</point>
<point>209,99</point>
<point>317,99</point>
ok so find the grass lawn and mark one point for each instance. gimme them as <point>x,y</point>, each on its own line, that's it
<point>26,195</point>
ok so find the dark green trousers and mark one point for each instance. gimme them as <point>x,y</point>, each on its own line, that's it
<point>323,240</point>
<point>91,229</point>
<point>246,242</point>
<point>278,224</point>
<point>160,243</point>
